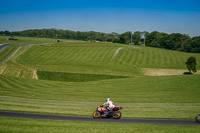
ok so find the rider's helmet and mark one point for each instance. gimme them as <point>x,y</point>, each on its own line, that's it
<point>108,99</point>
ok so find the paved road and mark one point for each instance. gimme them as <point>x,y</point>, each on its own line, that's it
<point>3,46</point>
<point>90,119</point>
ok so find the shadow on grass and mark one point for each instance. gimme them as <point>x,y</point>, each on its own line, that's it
<point>74,77</point>
<point>186,73</point>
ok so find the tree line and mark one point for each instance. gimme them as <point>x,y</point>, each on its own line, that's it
<point>174,41</point>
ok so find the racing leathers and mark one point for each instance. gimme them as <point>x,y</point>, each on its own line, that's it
<point>110,106</point>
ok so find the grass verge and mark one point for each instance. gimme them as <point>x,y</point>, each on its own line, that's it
<point>18,125</point>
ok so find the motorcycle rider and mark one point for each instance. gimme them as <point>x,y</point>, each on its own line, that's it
<point>110,106</point>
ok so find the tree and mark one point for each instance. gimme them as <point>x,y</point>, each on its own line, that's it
<point>137,37</point>
<point>195,44</point>
<point>125,37</point>
<point>152,39</point>
<point>7,33</point>
<point>191,64</point>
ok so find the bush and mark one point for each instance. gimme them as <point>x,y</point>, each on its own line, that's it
<point>191,64</point>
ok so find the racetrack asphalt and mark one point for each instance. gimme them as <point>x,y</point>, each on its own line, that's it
<point>90,119</point>
<point>3,46</point>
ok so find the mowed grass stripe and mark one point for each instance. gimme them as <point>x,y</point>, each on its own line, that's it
<point>73,53</point>
<point>106,54</point>
<point>154,58</point>
<point>140,89</point>
<point>126,57</point>
<point>134,57</point>
<point>162,56</point>
<point>139,54</point>
<point>98,54</point>
<point>15,84</point>
<point>121,55</point>
<point>179,60</point>
<point>143,57</point>
<point>81,54</point>
<point>54,53</point>
<point>166,58</point>
<point>91,51</point>
<point>129,56</point>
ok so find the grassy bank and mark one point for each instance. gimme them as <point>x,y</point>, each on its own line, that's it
<point>142,97</point>
<point>34,126</point>
<point>94,55</point>
<point>170,97</point>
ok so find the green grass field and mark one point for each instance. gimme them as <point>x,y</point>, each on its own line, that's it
<point>43,126</point>
<point>139,95</point>
<point>26,40</point>
<point>63,77</point>
<point>96,58</point>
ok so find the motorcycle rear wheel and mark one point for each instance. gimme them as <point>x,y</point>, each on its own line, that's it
<point>117,114</point>
<point>96,114</point>
<point>197,118</point>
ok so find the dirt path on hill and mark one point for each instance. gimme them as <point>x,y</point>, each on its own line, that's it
<point>117,51</point>
<point>35,76</point>
<point>164,72</point>
<point>2,68</point>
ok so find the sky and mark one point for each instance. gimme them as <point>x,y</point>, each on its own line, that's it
<point>169,16</point>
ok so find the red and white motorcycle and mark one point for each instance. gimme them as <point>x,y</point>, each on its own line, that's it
<point>102,112</point>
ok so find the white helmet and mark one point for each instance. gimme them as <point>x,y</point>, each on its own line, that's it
<point>108,99</point>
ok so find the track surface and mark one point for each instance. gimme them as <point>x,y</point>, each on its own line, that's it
<point>90,119</point>
<point>3,46</point>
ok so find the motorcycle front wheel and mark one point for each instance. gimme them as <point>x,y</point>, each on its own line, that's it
<point>96,114</point>
<point>117,114</point>
<point>197,118</point>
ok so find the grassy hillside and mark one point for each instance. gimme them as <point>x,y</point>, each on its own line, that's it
<point>147,97</point>
<point>148,57</point>
<point>142,96</point>
<point>94,54</point>
<point>92,58</point>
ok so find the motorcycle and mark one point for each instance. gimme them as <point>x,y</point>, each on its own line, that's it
<point>197,118</point>
<point>102,112</point>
